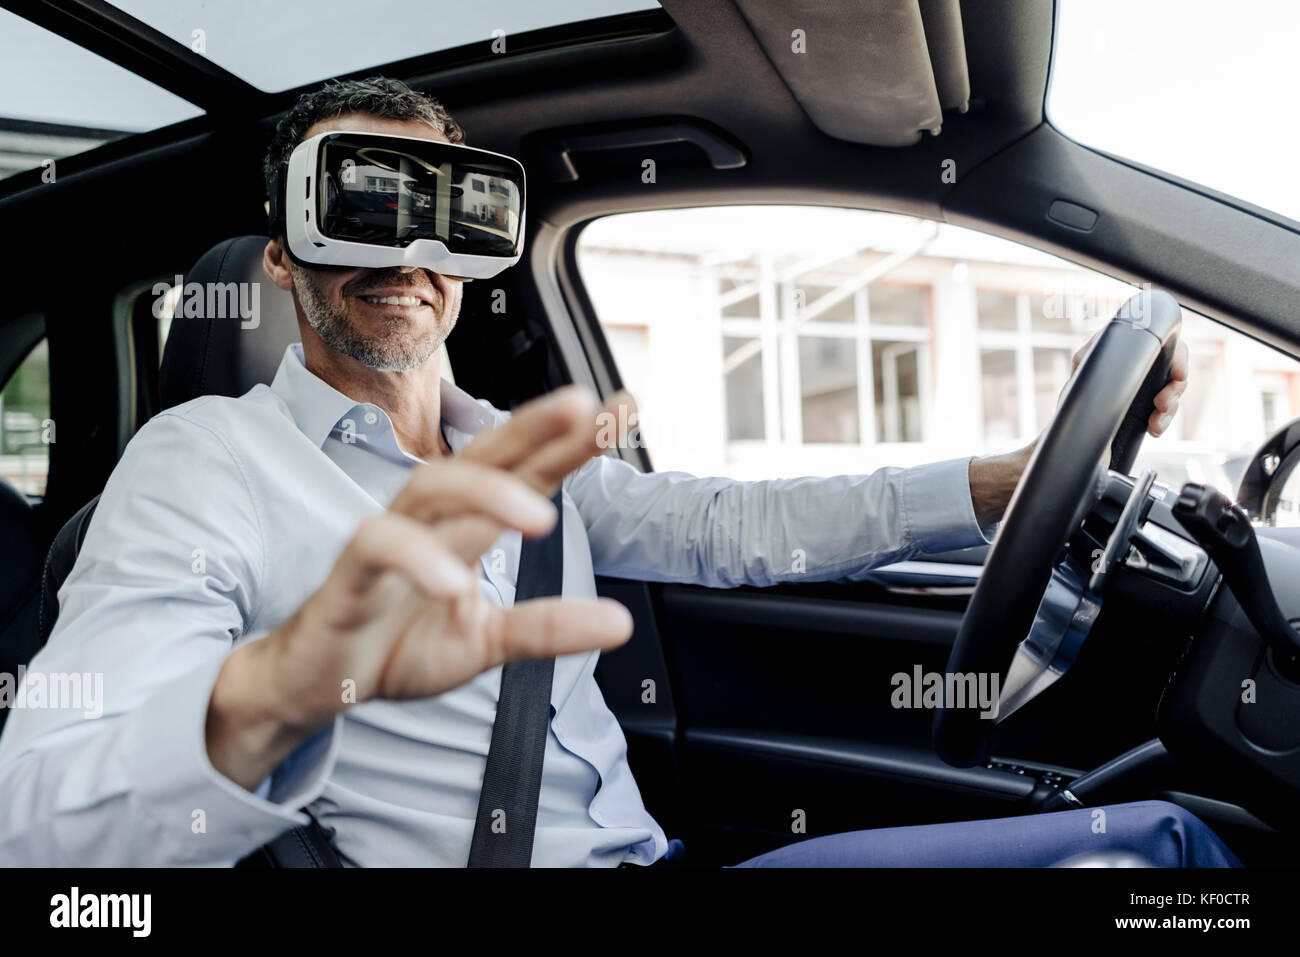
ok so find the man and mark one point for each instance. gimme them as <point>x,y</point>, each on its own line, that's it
<point>345,531</point>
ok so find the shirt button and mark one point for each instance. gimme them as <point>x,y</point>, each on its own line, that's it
<point>371,418</point>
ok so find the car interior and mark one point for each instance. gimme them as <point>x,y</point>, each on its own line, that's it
<point>770,701</point>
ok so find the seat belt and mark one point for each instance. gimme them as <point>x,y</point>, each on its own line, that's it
<point>512,781</point>
<point>311,845</point>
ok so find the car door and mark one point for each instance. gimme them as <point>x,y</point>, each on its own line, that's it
<point>770,342</point>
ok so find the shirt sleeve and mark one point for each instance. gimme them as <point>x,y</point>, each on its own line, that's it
<point>164,585</point>
<point>671,526</point>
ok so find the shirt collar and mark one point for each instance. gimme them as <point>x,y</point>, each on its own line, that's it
<point>317,407</point>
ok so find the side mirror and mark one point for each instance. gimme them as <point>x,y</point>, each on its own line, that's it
<point>1269,490</point>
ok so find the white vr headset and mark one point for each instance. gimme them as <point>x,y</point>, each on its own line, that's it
<point>371,200</point>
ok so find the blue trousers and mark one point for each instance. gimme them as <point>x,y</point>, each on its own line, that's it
<point>1161,834</point>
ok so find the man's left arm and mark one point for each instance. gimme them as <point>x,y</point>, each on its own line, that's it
<point>670,526</point>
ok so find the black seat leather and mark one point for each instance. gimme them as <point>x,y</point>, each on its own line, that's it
<point>58,563</point>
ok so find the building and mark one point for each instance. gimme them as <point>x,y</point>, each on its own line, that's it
<point>781,341</point>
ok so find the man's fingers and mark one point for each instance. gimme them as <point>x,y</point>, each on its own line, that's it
<point>594,429</point>
<point>499,481</point>
<point>456,487</point>
<point>1180,367</point>
<point>574,429</point>
<point>531,427</point>
<point>545,627</point>
<point>469,536</point>
<point>1177,382</point>
<point>1160,419</point>
<point>1167,399</point>
<point>398,543</point>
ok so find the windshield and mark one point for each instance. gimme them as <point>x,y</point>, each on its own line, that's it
<point>1196,88</point>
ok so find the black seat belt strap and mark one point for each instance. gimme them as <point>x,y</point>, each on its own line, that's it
<point>512,780</point>
<point>311,845</point>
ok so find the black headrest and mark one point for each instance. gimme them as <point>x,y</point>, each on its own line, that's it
<point>214,348</point>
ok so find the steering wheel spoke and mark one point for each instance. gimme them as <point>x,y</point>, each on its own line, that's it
<point>1069,608</point>
<point>1064,618</point>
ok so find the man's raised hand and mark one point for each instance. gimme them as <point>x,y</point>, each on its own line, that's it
<point>400,614</point>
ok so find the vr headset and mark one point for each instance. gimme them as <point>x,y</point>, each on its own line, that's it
<point>370,200</point>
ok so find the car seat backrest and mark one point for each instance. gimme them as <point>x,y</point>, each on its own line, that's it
<point>212,349</point>
<point>58,563</point>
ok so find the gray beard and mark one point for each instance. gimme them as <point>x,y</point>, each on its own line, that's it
<point>392,354</point>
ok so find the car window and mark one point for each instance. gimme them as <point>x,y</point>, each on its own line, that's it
<point>26,429</point>
<point>57,99</point>
<point>781,341</point>
<point>1170,112</point>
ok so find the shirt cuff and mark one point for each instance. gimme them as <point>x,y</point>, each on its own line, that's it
<point>203,817</point>
<point>938,510</point>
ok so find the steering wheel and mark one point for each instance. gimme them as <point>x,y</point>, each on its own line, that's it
<point>1107,405</point>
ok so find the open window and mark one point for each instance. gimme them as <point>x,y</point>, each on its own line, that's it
<point>781,341</point>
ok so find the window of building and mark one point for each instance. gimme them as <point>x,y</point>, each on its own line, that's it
<point>742,365</point>
<point>738,296</point>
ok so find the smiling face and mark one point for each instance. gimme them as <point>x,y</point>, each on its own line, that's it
<point>390,319</point>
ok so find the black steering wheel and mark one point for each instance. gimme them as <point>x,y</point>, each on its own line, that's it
<point>1107,405</point>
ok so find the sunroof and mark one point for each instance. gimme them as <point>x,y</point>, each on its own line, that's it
<point>290,43</point>
<point>57,98</point>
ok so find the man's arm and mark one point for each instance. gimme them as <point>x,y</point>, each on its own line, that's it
<point>400,615</point>
<point>670,526</point>
<point>167,578</point>
<point>189,728</point>
<point>992,480</point>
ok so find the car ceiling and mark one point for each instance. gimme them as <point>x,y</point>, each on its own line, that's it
<point>719,66</point>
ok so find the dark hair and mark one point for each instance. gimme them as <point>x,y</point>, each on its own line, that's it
<point>378,96</point>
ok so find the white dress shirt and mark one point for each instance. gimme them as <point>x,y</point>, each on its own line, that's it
<point>225,514</point>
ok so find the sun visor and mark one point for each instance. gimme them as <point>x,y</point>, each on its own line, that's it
<point>879,72</point>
